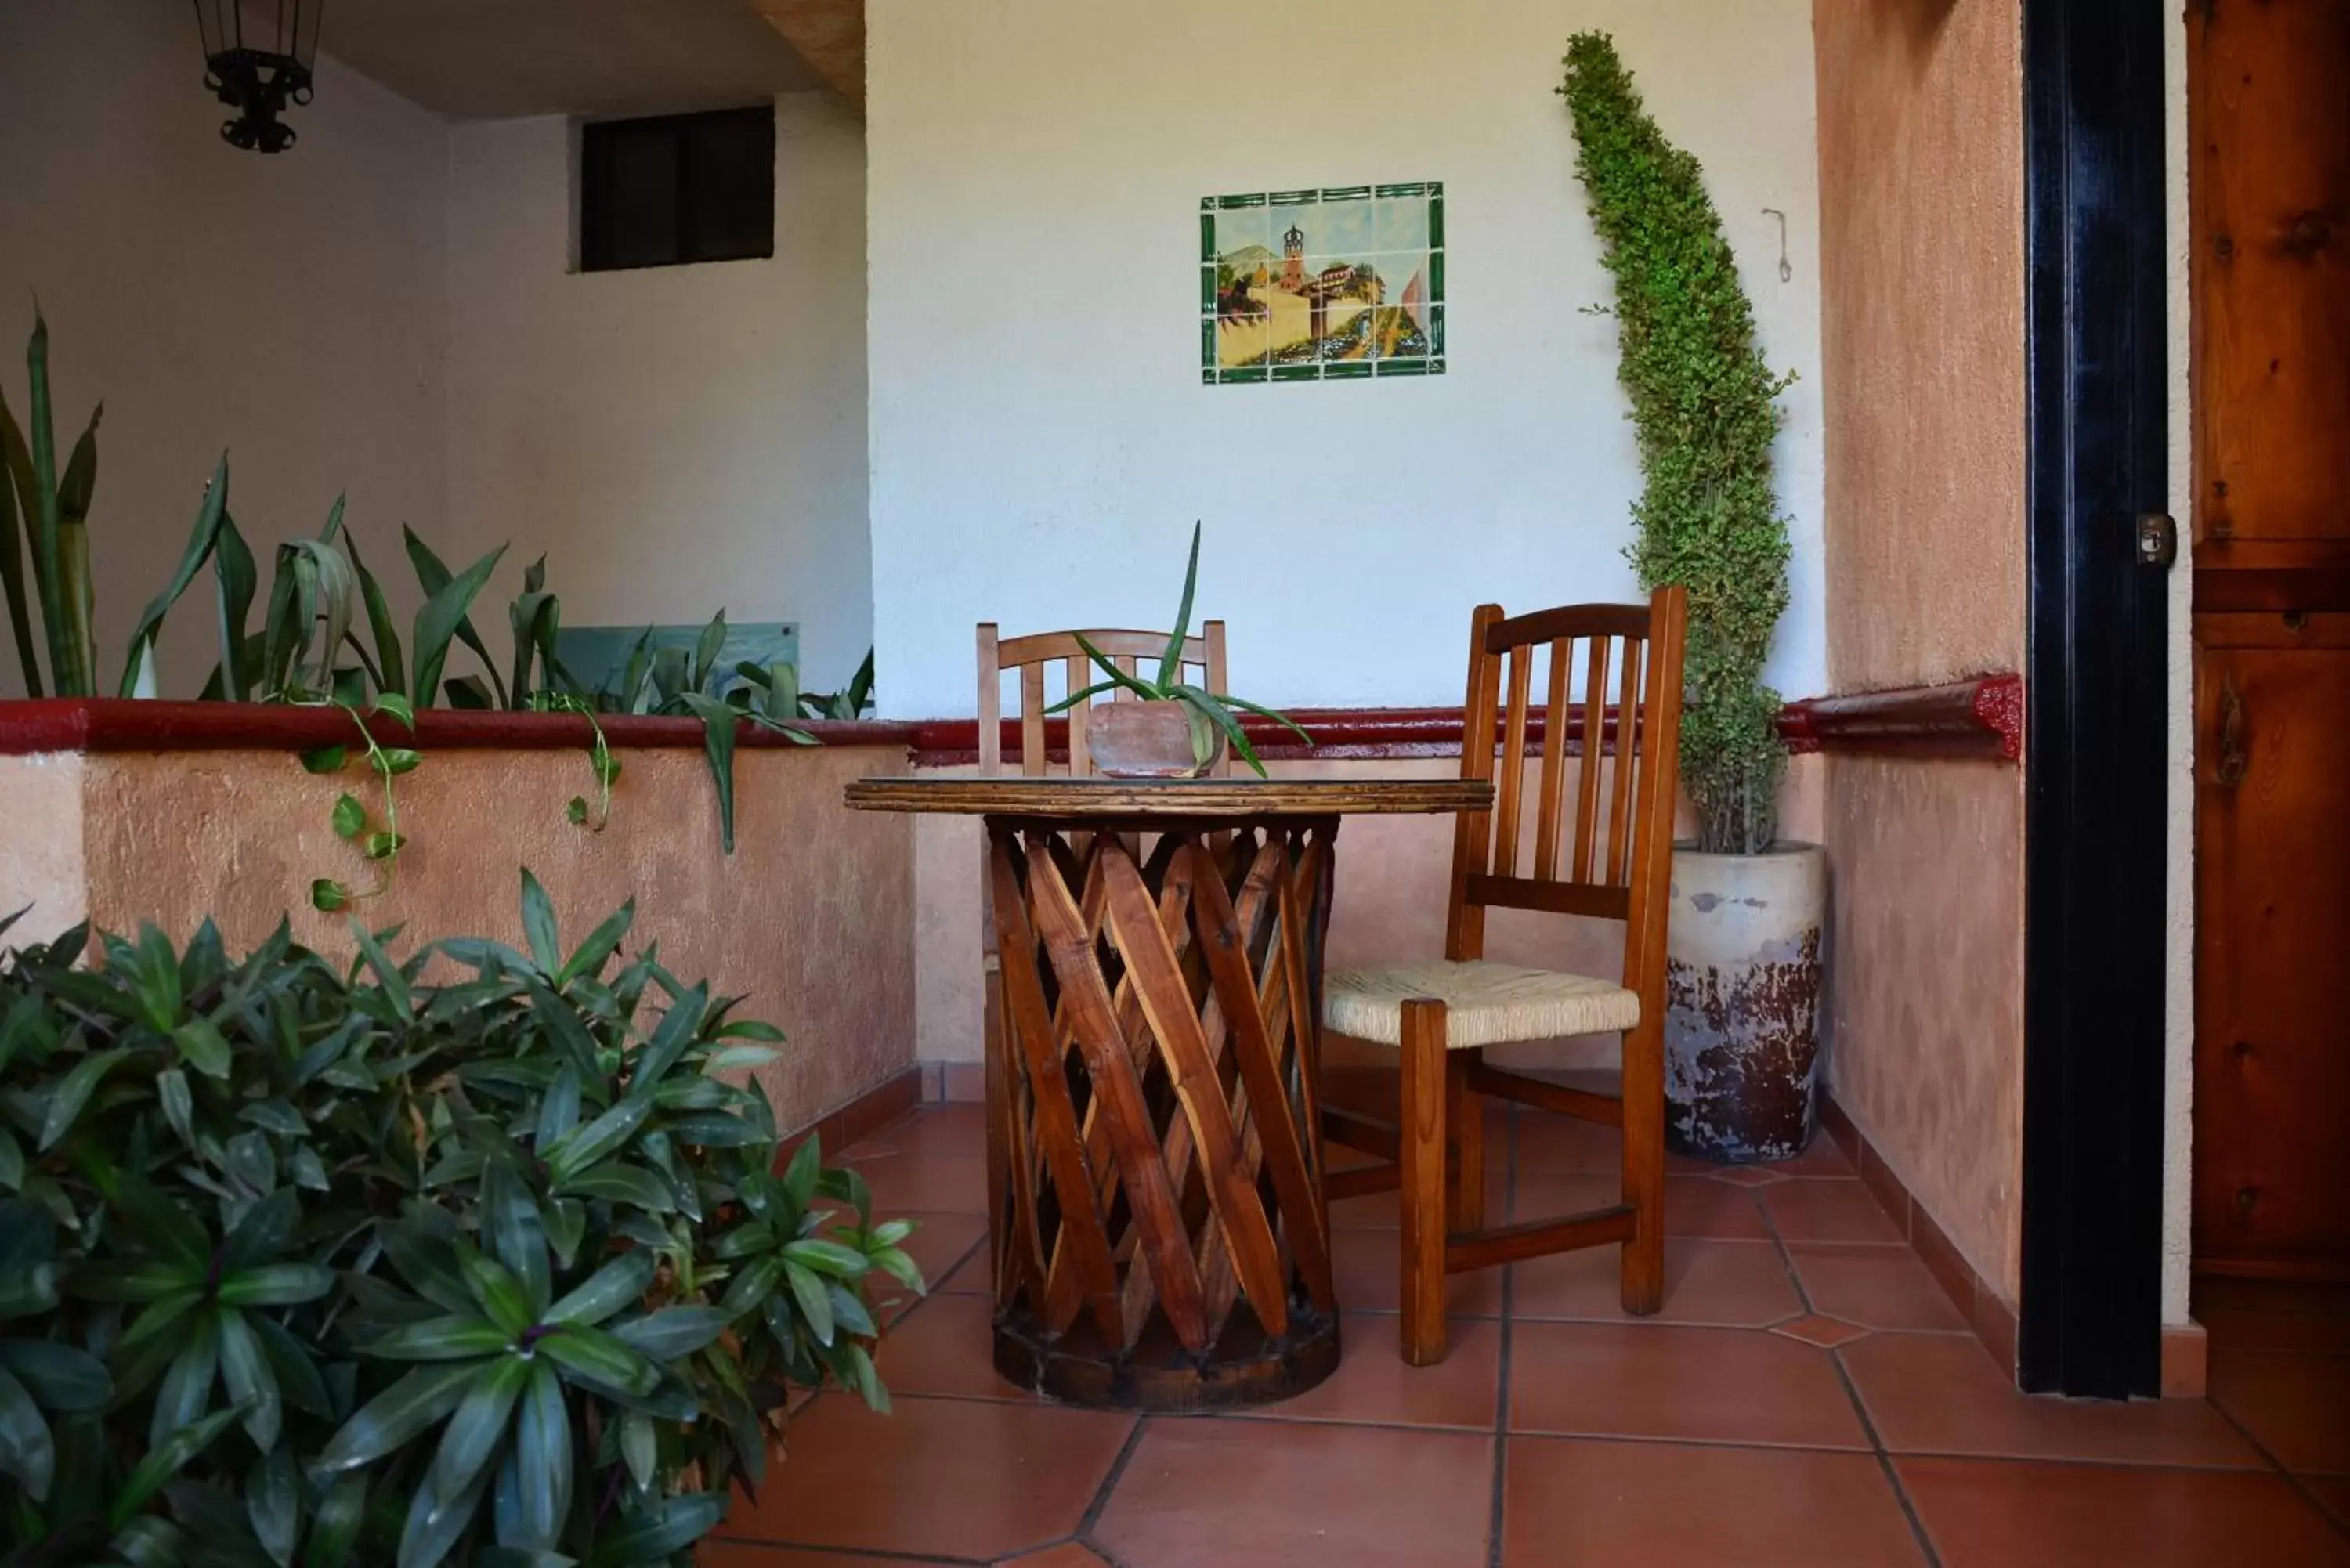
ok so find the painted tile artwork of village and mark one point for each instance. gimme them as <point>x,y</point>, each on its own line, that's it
<point>1336,284</point>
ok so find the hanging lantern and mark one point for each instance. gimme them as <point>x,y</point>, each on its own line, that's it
<point>257,60</point>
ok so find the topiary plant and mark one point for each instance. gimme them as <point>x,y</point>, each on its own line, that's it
<point>1706,407</point>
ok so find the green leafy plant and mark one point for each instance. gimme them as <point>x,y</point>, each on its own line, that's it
<point>1210,712</point>
<point>299,1262</point>
<point>1705,405</point>
<point>53,536</point>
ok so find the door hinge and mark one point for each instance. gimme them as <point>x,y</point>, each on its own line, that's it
<point>2158,538</point>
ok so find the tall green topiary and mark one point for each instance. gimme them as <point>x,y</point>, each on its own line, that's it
<point>1705,404</point>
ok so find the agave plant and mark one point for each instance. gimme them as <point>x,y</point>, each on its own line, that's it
<point>1210,712</point>
<point>302,1261</point>
<point>56,511</point>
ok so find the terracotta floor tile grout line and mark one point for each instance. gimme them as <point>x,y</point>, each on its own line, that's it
<point>2292,1478</point>
<point>1496,1519</point>
<point>1099,1504</point>
<point>786,1549</point>
<point>1851,1391</point>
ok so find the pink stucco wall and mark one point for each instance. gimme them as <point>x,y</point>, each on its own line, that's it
<point>812,916</point>
<point>1921,206</point>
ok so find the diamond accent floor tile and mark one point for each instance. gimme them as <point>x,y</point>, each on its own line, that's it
<point>1816,1328</point>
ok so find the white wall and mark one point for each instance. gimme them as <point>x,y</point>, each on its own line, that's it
<point>288,308</point>
<point>2178,950</point>
<point>674,439</point>
<point>1041,441</point>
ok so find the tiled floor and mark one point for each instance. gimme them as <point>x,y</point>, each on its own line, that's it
<point>1805,1399</point>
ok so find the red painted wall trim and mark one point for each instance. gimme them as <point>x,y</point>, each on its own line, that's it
<point>129,724</point>
<point>1982,718</point>
<point>1979,717</point>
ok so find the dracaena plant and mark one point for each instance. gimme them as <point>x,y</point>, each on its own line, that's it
<point>301,1263</point>
<point>1210,712</point>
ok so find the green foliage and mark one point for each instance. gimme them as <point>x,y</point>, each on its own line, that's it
<point>308,648</point>
<point>1705,405</point>
<point>343,1266</point>
<point>1210,712</point>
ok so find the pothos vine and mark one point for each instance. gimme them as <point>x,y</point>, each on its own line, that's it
<point>379,840</point>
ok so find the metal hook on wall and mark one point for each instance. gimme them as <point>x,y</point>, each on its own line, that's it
<point>1786,269</point>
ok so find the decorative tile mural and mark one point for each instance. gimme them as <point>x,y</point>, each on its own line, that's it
<point>1339,284</point>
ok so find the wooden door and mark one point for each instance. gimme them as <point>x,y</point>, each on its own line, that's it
<point>2269,121</point>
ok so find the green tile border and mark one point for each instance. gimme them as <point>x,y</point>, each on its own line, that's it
<point>1212,374</point>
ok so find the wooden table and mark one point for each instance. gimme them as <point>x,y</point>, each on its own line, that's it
<point>1159,1231</point>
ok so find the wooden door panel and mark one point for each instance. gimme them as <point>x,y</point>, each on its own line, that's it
<point>2270,114</point>
<point>2273,895</point>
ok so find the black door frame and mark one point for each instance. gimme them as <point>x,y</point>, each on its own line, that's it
<point>2096,769</point>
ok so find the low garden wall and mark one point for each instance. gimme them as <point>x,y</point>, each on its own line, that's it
<point>123,812</point>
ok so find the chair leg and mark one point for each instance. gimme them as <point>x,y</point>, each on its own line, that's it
<point>1464,1120</point>
<point>1644,1168</point>
<point>1421,1134</point>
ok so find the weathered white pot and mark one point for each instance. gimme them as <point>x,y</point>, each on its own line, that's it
<point>1742,1001</point>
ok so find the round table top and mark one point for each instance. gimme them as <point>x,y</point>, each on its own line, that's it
<point>1061,797</point>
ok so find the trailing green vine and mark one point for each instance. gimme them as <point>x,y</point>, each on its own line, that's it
<point>380,841</point>
<point>1705,404</point>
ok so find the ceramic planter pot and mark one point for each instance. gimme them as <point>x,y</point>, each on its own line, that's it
<point>1146,741</point>
<point>1743,1002</point>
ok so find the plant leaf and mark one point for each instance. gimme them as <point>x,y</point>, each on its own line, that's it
<point>250,1382</point>
<point>397,1414</point>
<point>27,1449</point>
<point>348,818</point>
<point>539,925</point>
<point>202,538</point>
<point>73,1092</point>
<point>815,1302</point>
<point>601,944</point>
<point>272,1502</point>
<point>1171,664</point>
<point>1118,677</point>
<point>444,616</point>
<point>718,725</point>
<point>476,1426</point>
<point>618,1284</point>
<point>672,1333</point>
<point>542,1462</point>
<point>164,1460</point>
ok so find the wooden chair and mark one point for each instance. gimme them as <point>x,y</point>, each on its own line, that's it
<point>1034,658</point>
<point>1442,1015</point>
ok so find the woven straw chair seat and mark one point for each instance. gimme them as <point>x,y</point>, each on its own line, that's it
<point>1484,1003</point>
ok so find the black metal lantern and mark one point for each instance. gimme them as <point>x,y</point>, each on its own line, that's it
<point>258,58</point>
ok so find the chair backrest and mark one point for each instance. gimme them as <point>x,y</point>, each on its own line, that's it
<point>1613,860</point>
<point>1036,657</point>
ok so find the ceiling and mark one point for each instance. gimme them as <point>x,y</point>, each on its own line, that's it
<point>495,59</point>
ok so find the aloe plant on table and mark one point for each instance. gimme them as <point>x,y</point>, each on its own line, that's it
<point>1210,712</point>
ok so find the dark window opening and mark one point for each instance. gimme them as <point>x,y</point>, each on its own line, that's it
<point>678,188</point>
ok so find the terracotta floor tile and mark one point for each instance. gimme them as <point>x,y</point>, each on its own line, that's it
<point>946,1347</point>
<point>1627,1503</point>
<point>1372,1383</point>
<point>1380,1210</point>
<point>2333,1491</point>
<point>1705,1385</point>
<point>901,1182</point>
<point>1067,1554</point>
<point>1820,1158</point>
<point>1827,1332</point>
<point>939,1243</point>
<point>2296,1406</point>
<point>1942,1393</point>
<point>1820,1208</point>
<point>961,1478</point>
<point>1876,1287</point>
<point>970,1278</point>
<point>1694,1206</point>
<point>1991,1514</point>
<point>1563,1144</point>
<point>1367,1267</point>
<point>1736,1283</point>
<point>1746,1176</point>
<point>1276,1494</point>
<point>958,1132</point>
<point>713,1552</point>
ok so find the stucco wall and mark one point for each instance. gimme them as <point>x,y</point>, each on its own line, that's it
<point>288,308</point>
<point>1922,202</point>
<point>1392,876</point>
<point>1041,440</point>
<point>812,917</point>
<point>673,439</point>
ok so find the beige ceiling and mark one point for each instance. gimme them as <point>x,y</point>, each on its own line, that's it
<point>489,60</point>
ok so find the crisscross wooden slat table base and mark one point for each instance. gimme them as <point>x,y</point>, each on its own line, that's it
<point>1159,1233</point>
